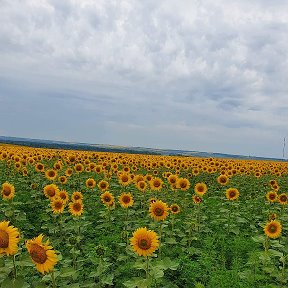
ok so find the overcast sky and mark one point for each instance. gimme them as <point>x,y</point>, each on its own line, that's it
<point>198,75</point>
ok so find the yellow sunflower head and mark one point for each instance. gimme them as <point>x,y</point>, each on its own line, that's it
<point>197,199</point>
<point>57,205</point>
<point>172,179</point>
<point>158,210</point>
<point>90,183</point>
<point>51,191</point>
<point>42,254</point>
<point>64,196</point>
<point>62,179</point>
<point>283,199</point>
<point>232,194</point>
<point>103,185</point>
<point>272,196</point>
<point>77,196</point>
<point>141,185</point>
<point>126,200</point>
<point>200,189</point>
<point>124,179</point>
<point>51,174</point>
<point>156,184</point>
<point>107,198</point>
<point>222,180</point>
<point>183,184</point>
<point>8,191</point>
<point>175,209</point>
<point>76,208</point>
<point>79,168</point>
<point>9,238</point>
<point>144,242</point>
<point>273,229</point>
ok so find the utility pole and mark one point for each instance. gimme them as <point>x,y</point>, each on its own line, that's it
<point>284,148</point>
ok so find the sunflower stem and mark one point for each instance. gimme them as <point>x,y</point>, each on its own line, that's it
<point>147,267</point>
<point>14,265</point>
<point>53,279</point>
<point>160,238</point>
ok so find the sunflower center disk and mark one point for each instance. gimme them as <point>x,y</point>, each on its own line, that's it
<point>144,244</point>
<point>6,191</point>
<point>159,211</point>
<point>272,229</point>
<point>38,254</point>
<point>126,199</point>
<point>77,207</point>
<point>4,239</point>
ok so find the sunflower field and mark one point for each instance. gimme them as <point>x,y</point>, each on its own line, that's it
<point>95,219</point>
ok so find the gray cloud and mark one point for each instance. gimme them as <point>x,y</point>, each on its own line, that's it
<point>197,75</point>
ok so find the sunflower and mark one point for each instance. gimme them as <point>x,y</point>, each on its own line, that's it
<point>273,229</point>
<point>144,242</point>
<point>232,194</point>
<point>156,184</point>
<point>175,209</point>
<point>42,254</point>
<point>76,208</point>
<point>152,200</point>
<point>222,180</point>
<point>197,199</point>
<point>126,200</point>
<point>8,191</point>
<point>124,179</point>
<point>78,167</point>
<point>77,196</point>
<point>64,196</point>
<point>103,185</point>
<point>107,198</point>
<point>62,179</point>
<point>283,199</point>
<point>90,183</point>
<point>68,172</point>
<point>172,179</point>
<point>158,210</point>
<point>141,186</point>
<point>200,189</point>
<point>183,184</point>
<point>51,191</point>
<point>9,238</point>
<point>272,196</point>
<point>57,205</point>
<point>51,174</point>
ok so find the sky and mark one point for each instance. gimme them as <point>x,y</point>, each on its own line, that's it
<point>196,75</point>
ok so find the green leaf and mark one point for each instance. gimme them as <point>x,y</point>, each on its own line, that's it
<point>107,279</point>
<point>171,241</point>
<point>275,253</point>
<point>137,283</point>
<point>67,272</point>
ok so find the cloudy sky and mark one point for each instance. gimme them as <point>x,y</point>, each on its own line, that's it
<point>187,74</point>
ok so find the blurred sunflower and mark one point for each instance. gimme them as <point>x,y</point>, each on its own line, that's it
<point>57,205</point>
<point>283,199</point>
<point>9,238</point>
<point>197,199</point>
<point>76,196</point>
<point>103,185</point>
<point>273,229</point>
<point>8,191</point>
<point>63,194</point>
<point>51,174</point>
<point>183,184</point>
<point>156,184</point>
<point>223,180</point>
<point>62,179</point>
<point>272,196</point>
<point>126,200</point>
<point>232,194</point>
<point>107,198</point>
<point>124,179</point>
<point>79,168</point>
<point>76,208</point>
<point>90,183</point>
<point>144,242</point>
<point>200,189</point>
<point>42,254</point>
<point>158,210</point>
<point>51,191</point>
<point>141,186</point>
<point>175,209</point>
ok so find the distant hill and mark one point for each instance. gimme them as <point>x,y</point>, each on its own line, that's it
<point>40,143</point>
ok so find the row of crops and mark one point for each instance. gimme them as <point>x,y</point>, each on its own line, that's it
<point>95,219</point>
